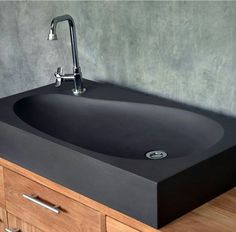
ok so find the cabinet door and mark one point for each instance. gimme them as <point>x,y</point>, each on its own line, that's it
<point>17,225</point>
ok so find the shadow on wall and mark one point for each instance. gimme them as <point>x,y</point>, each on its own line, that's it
<point>184,51</point>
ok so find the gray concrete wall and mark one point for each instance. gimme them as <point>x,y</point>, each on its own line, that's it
<point>181,50</point>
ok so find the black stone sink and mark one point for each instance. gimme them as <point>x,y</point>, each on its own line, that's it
<point>116,128</point>
<point>97,145</point>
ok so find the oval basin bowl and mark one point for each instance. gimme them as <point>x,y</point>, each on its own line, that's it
<point>121,129</point>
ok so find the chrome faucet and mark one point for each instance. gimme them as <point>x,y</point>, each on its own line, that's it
<point>76,76</point>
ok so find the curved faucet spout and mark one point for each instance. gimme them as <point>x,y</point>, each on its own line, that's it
<point>78,84</point>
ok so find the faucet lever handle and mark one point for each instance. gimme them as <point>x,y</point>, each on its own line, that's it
<point>59,72</point>
<point>58,82</point>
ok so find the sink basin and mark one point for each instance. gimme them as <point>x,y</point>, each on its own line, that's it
<point>147,157</point>
<point>122,129</point>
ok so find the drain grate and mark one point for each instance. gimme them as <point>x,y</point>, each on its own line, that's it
<point>156,155</point>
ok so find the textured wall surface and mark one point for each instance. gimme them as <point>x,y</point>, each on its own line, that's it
<point>181,50</point>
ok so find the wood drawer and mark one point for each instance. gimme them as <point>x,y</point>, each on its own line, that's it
<point>16,224</point>
<point>73,216</point>
<point>113,225</point>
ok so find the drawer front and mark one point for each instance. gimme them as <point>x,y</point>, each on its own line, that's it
<point>16,224</point>
<point>113,225</point>
<point>36,204</point>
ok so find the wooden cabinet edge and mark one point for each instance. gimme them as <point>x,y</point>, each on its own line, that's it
<point>3,219</point>
<point>105,210</point>
<point>2,193</point>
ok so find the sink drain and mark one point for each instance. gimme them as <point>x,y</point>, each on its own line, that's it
<point>155,155</point>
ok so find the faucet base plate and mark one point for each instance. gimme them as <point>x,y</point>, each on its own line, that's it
<point>77,92</point>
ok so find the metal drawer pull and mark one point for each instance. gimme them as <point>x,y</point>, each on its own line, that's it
<point>34,199</point>
<point>14,230</point>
